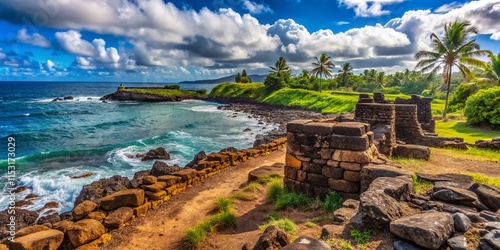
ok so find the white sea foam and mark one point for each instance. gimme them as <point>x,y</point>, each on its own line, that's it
<point>76,99</point>
<point>206,109</point>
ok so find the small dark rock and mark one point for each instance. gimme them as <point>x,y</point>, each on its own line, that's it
<point>161,168</point>
<point>197,158</point>
<point>462,222</point>
<point>103,187</point>
<point>156,154</point>
<point>457,242</point>
<point>272,238</point>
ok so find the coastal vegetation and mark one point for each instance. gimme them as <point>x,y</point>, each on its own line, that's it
<point>169,91</point>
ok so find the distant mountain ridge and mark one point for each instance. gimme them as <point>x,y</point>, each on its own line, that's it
<point>255,78</point>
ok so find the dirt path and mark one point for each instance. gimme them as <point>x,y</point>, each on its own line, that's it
<point>164,227</point>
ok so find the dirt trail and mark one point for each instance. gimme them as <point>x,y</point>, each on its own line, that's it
<point>164,227</point>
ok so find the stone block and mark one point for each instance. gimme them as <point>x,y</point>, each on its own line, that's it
<point>142,209</point>
<point>312,167</point>
<point>154,196</point>
<point>301,175</point>
<point>350,128</point>
<point>362,157</point>
<point>291,172</point>
<point>296,126</point>
<point>185,174</point>
<point>118,217</point>
<point>169,179</point>
<point>333,172</point>
<point>356,143</point>
<point>350,166</point>
<point>293,162</point>
<point>352,176</point>
<point>128,197</point>
<point>343,186</point>
<point>84,231</point>
<point>317,180</point>
<point>83,209</point>
<point>332,163</point>
<point>47,240</point>
<point>318,128</point>
<point>326,153</point>
<point>412,152</point>
<point>155,187</point>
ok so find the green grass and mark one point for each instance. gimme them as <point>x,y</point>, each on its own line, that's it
<point>293,200</point>
<point>283,223</point>
<point>269,178</point>
<point>223,204</point>
<point>252,187</point>
<point>310,224</point>
<point>421,186</point>
<point>166,92</point>
<point>333,202</point>
<point>483,179</point>
<point>461,129</point>
<point>360,237</point>
<point>274,190</point>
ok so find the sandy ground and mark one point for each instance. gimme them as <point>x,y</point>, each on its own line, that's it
<point>164,227</point>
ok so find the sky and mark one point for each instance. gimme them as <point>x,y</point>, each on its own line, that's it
<point>171,41</point>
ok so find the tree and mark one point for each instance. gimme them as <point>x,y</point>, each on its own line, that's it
<point>322,66</point>
<point>244,73</point>
<point>492,69</point>
<point>453,49</point>
<point>345,74</point>
<point>238,78</point>
<point>280,67</point>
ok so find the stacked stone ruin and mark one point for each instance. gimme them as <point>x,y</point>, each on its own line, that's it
<point>324,156</point>
<point>406,120</point>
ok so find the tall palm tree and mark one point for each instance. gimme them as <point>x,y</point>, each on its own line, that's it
<point>345,73</point>
<point>492,69</point>
<point>280,67</point>
<point>453,49</point>
<point>322,66</point>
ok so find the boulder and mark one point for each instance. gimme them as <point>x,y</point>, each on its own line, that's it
<point>162,168</point>
<point>489,195</point>
<point>493,238</point>
<point>98,215</point>
<point>462,222</point>
<point>378,209</point>
<point>30,230</point>
<point>23,218</point>
<point>129,197</point>
<point>50,218</point>
<point>118,217</point>
<point>155,187</point>
<point>398,188</point>
<point>412,152</point>
<point>459,196</point>
<point>84,231</point>
<point>47,239</point>
<point>342,215</point>
<point>103,187</point>
<point>454,144</point>
<point>307,243</point>
<point>149,179</point>
<point>430,230</point>
<point>405,245</point>
<point>63,225</point>
<point>273,238</point>
<point>185,174</point>
<point>83,209</point>
<point>457,242</point>
<point>169,179</point>
<point>156,154</point>
<point>69,98</point>
<point>197,158</point>
<point>372,172</point>
<point>137,180</point>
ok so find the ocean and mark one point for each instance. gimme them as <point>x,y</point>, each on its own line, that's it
<point>58,140</point>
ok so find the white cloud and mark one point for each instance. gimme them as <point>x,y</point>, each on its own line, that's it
<point>256,8</point>
<point>342,23</point>
<point>368,8</point>
<point>495,36</point>
<point>35,39</point>
<point>71,41</point>
<point>447,7</point>
<point>50,65</point>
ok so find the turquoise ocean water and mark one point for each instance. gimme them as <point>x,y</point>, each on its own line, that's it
<point>57,140</point>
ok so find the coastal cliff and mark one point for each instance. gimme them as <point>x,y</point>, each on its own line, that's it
<point>142,97</point>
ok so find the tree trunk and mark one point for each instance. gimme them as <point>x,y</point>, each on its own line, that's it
<point>448,83</point>
<point>320,86</point>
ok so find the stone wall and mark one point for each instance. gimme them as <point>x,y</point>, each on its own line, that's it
<point>325,156</point>
<point>407,126</point>
<point>382,120</point>
<point>424,111</point>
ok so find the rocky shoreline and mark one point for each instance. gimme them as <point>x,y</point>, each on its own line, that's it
<point>124,96</point>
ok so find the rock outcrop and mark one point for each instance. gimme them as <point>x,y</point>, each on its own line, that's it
<point>98,189</point>
<point>156,154</point>
<point>273,238</point>
<point>128,197</point>
<point>162,168</point>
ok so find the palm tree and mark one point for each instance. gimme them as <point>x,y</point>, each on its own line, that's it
<point>280,67</point>
<point>492,69</point>
<point>345,73</point>
<point>453,49</point>
<point>322,66</point>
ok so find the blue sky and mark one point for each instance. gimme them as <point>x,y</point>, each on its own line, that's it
<point>170,41</point>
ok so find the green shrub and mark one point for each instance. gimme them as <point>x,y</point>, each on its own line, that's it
<point>201,91</point>
<point>284,224</point>
<point>360,237</point>
<point>292,200</point>
<point>333,202</point>
<point>224,219</point>
<point>223,204</point>
<point>275,189</point>
<point>274,82</point>
<point>172,86</point>
<point>460,96</point>
<point>484,107</point>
